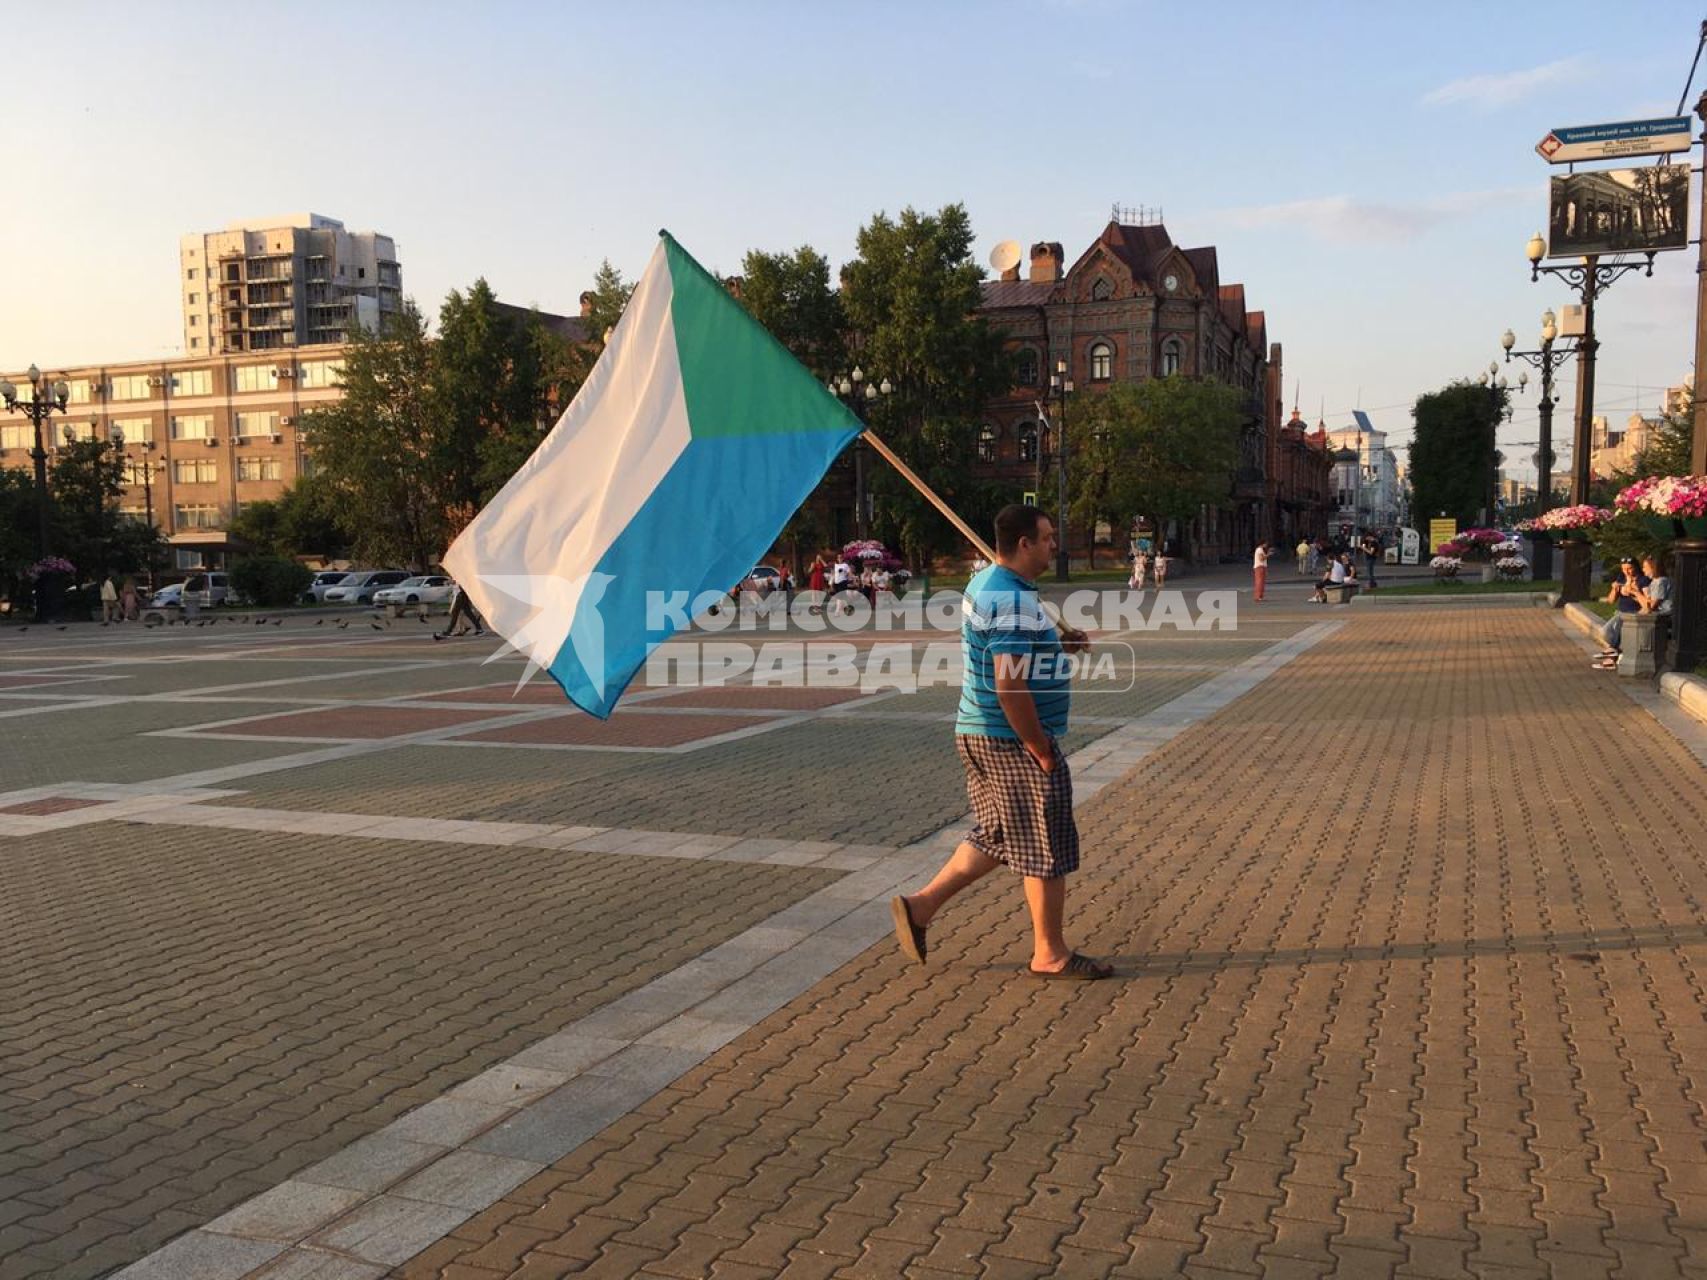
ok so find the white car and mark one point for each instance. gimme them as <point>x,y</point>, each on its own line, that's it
<point>360,586</point>
<point>422,589</point>
<point>172,595</point>
<point>323,582</point>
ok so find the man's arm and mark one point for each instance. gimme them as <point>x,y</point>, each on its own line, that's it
<point>1014,696</point>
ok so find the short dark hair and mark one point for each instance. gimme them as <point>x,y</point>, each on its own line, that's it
<point>1015,521</point>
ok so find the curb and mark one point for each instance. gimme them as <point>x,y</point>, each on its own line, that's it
<point>1687,690</point>
<point>1509,599</point>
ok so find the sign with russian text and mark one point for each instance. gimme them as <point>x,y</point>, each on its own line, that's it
<point>1440,531</point>
<point>1610,141</point>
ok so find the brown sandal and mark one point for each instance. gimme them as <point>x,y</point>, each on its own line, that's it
<point>909,935</point>
<point>1078,969</point>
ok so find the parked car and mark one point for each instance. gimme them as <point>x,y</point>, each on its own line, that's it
<point>168,597</point>
<point>323,582</point>
<point>764,579</point>
<point>359,586</point>
<point>209,589</point>
<point>421,589</point>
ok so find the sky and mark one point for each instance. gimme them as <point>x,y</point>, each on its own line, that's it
<point>1367,171</point>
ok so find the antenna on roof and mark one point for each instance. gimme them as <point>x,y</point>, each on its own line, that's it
<point>1136,215</point>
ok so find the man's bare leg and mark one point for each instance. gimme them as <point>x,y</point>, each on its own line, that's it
<point>965,866</point>
<point>1047,900</point>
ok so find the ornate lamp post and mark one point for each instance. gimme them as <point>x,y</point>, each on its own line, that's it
<point>859,394</point>
<point>1497,385</point>
<point>1545,359</point>
<point>46,399</point>
<point>1590,278</point>
<point>1060,387</point>
<point>147,471</point>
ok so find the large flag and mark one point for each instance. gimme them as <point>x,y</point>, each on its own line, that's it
<point>694,439</point>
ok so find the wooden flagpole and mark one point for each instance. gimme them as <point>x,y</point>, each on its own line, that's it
<point>894,460</point>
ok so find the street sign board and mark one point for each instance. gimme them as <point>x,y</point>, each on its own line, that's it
<point>1622,138</point>
<point>1440,531</point>
<point>1595,211</point>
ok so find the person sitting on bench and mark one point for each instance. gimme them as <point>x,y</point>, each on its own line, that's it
<point>1337,575</point>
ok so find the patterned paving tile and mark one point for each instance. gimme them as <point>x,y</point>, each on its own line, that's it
<point>625,729</point>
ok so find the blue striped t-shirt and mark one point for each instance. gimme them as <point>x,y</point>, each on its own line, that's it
<point>1003,615</point>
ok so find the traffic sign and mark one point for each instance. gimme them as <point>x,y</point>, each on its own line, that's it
<point>1622,138</point>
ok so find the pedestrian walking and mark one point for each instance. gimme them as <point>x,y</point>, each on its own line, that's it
<point>1160,565</point>
<point>461,608</point>
<point>1013,711</point>
<point>129,605</point>
<point>1140,566</point>
<point>1303,555</point>
<point>1315,556</point>
<point>1259,568</point>
<point>109,601</point>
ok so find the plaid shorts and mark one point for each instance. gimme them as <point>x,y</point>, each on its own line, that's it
<point>1021,816</point>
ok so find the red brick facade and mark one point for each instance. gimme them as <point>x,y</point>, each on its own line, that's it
<point>1136,306</point>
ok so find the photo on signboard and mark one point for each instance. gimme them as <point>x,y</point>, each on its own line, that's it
<point>1619,211</point>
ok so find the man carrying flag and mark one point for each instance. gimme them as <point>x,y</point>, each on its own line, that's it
<point>1013,711</point>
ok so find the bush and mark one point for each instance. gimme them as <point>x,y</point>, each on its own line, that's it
<point>272,581</point>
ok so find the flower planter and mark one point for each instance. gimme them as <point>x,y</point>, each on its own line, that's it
<point>1693,527</point>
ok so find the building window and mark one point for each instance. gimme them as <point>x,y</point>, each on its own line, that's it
<point>315,374</point>
<point>132,386</point>
<point>195,297</point>
<point>195,343</point>
<point>15,435</point>
<point>257,424</point>
<point>185,558</point>
<point>196,515</point>
<point>193,382</point>
<point>257,377</point>
<point>136,430</point>
<point>1028,368</point>
<point>197,426</point>
<point>1172,354</point>
<point>195,470</point>
<point>231,272</point>
<point>987,445</point>
<point>77,431</point>
<point>1028,443</point>
<point>1101,290</point>
<point>1102,362</point>
<point>260,469</point>
<point>83,390</point>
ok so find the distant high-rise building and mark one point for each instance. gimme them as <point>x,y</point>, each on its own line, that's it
<point>296,281</point>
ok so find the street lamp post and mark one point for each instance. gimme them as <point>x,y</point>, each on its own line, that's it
<point>859,394</point>
<point>1546,360</point>
<point>46,399</point>
<point>148,465</point>
<point>1061,386</point>
<point>1497,385</point>
<point>1590,278</point>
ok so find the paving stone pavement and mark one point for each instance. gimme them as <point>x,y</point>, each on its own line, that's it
<point>1410,948</point>
<point>189,1016</point>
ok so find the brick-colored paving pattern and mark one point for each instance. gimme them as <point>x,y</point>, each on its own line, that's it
<point>1412,967</point>
<point>190,1016</point>
<point>624,729</point>
<point>47,806</point>
<point>536,693</point>
<point>738,696</point>
<point>353,722</point>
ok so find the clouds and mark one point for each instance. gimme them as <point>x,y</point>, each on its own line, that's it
<point>1342,218</point>
<point>1488,92</point>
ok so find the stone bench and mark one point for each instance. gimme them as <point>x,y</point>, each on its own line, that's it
<point>1643,643</point>
<point>1341,593</point>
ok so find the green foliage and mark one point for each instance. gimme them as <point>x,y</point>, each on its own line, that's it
<point>380,447</point>
<point>605,301</point>
<point>17,521</point>
<point>87,481</point>
<point>544,374</point>
<point>260,525</point>
<point>271,580</point>
<point>1450,453</point>
<point>910,298</point>
<point>790,294</point>
<point>1159,449</point>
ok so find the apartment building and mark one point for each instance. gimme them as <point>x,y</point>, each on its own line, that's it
<point>202,436</point>
<point>297,281</point>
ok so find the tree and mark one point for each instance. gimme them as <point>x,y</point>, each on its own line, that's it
<point>1451,452</point>
<point>260,526</point>
<point>17,530</point>
<point>790,294</point>
<point>910,297</point>
<point>379,447</point>
<point>87,481</point>
<point>605,301</point>
<point>549,370</point>
<point>1160,449</point>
